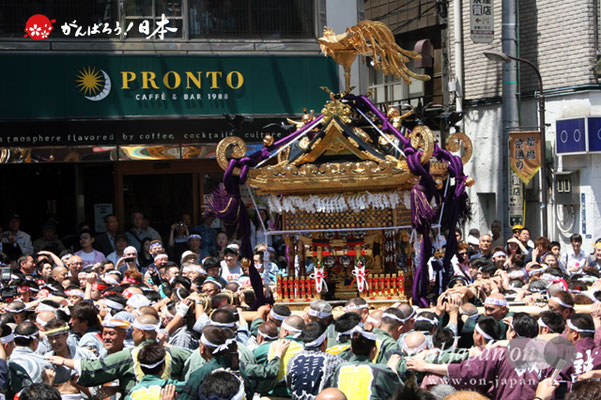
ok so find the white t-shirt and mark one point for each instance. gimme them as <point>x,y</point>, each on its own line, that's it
<point>230,274</point>
<point>574,260</point>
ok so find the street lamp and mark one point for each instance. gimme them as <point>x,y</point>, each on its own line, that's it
<point>499,56</point>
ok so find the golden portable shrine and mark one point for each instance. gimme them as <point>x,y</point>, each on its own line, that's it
<point>345,183</point>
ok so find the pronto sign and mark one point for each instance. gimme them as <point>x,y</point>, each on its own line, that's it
<point>91,86</point>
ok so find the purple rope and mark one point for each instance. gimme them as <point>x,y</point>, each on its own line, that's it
<point>422,215</point>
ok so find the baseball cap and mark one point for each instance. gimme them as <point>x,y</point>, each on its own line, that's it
<point>232,248</point>
<point>473,240</point>
<point>188,254</point>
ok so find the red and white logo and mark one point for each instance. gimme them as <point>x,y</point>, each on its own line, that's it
<point>38,27</point>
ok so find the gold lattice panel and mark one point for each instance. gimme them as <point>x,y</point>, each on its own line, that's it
<point>402,216</point>
<point>340,220</point>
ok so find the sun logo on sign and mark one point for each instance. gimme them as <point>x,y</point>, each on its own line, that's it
<point>95,84</point>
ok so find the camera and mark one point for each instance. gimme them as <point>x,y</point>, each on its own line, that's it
<point>7,292</point>
<point>129,259</point>
<point>180,224</point>
<point>5,274</point>
<point>154,276</point>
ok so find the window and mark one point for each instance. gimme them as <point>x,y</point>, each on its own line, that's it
<point>194,19</point>
<point>14,15</point>
<point>138,11</point>
<point>390,90</point>
<point>252,18</point>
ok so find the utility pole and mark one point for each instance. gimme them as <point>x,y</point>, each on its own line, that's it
<point>510,101</point>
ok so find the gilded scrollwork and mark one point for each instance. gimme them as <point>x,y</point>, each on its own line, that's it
<point>454,142</point>
<point>422,139</point>
<point>238,150</point>
<point>284,155</point>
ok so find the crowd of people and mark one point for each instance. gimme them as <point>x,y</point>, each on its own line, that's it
<point>128,315</point>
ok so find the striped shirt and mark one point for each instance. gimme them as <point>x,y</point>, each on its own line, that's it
<point>25,367</point>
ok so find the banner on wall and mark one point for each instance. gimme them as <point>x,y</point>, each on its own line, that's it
<point>524,154</point>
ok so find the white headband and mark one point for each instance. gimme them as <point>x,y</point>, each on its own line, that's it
<point>413,312</point>
<point>574,328</point>
<point>359,329</point>
<point>372,320</point>
<point>496,302</point>
<point>32,336</point>
<point>40,322</point>
<point>240,394</point>
<point>350,331</point>
<point>218,347</point>
<point>151,366</point>
<point>146,327</point>
<point>541,323</point>
<point>499,254</point>
<point>218,284</point>
<point>40,308</point>
<point>7,339</point>
<point>317,342</point>
<point>20,310</point>
<point>473,316</point>
<point>223,324</point>
<point>319,314</point>
<point>432,321</point>
<point>138,300</point>
<point>484,334</point>
<point>113,281</point>
<point>266,336</point>
<point>561,303</point>
<point>402,320</point>
<point>291,329</point>
<point>355,307</point>
<point>75,292</point>
<point>194,268</point>
<point>412,352</point>
<point>115,323</point>
<point>113,304</point>
<point>277,317</point>
<point>536,271</point>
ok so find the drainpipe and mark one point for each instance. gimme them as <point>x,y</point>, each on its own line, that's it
<point>458,40</point>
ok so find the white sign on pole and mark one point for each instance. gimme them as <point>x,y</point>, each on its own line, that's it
<point>516,200</point>
<point>482,21</point>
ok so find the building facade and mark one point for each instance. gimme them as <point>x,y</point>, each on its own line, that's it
<point>121,105</point>
<point>562,39</point>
